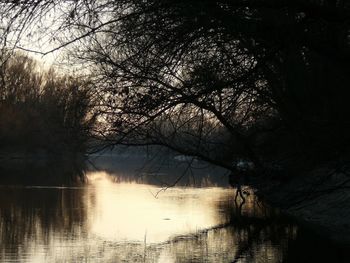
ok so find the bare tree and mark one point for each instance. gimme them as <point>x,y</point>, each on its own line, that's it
<point>220,80</point>
<point>42,109</point>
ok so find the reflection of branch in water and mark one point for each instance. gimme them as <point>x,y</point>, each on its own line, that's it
<point>195,235</point>
<point>244,247</point>
<point>241,223</point>
<point>240,193</point>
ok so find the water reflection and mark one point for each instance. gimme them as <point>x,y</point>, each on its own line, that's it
<point>159,171</point>
<point>108,221</point>
<point>43,172</point>
<point>129,211</point>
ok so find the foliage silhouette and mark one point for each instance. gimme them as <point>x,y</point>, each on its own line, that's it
<point>221,80</point>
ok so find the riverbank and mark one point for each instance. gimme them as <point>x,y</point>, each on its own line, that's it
<point>319,199</point>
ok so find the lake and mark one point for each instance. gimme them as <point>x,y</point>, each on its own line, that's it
<point>121,208</point>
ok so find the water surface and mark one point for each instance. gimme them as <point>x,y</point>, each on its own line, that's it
<point>123,215</point>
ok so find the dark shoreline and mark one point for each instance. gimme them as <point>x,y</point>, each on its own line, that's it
<point>318,200</point>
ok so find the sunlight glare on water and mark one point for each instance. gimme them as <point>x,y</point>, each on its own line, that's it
<point>130,211</point>
<point>111,220</point>
<point>104,221</point>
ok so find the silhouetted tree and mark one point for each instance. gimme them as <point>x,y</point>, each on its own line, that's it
<point>254,79</point>
<point>42,110</point>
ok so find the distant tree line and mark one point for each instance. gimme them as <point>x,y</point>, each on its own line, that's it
<point>221,80</point>
<point>41,109</point>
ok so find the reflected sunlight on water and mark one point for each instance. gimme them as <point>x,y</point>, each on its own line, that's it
<point>129,211</point>
<point>109,221</point>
